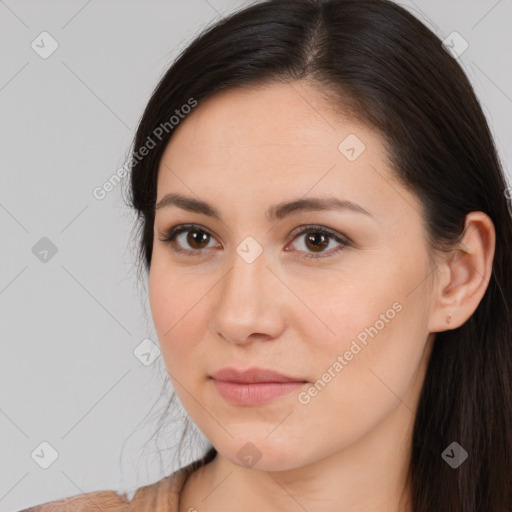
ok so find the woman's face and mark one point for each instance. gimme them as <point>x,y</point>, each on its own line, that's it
<point>351,325</point>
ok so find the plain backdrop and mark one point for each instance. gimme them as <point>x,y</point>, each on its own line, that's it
<point>76,386</point>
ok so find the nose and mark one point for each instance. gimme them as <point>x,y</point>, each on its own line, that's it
<point>250,303</point>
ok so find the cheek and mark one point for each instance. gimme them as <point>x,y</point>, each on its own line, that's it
<point>373,364</point>
<point>180,318</point>
<point>356,386</point>
<point>371,344</point>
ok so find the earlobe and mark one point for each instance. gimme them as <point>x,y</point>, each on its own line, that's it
<point>464,274</point>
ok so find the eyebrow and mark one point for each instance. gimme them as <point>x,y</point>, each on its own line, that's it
<point>275,212</point>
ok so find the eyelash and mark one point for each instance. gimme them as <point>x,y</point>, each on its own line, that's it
<point>172,233</point>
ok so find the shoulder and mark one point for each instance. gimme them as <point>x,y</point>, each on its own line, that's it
<point>100,500</point>
<point>158,497</point>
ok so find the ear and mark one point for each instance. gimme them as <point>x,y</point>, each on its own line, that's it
<point>463,275</point>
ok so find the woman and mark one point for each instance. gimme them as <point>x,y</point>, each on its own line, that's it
<point>325,227</point>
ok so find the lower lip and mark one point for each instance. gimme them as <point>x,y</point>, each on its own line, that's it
<point>254,393</point>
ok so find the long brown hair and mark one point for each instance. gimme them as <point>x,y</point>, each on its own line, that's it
<point>377,62</point>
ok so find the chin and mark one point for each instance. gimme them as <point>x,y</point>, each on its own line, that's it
<point>262,454</point>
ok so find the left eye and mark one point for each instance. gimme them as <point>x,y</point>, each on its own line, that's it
<point>317,240</point>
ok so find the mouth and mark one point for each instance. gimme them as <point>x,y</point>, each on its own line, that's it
<point>253,386</point>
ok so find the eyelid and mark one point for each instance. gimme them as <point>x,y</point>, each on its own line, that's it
<point>300,230</point>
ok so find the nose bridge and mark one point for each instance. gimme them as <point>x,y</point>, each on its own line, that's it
<point>247,301</point>
<point>245,285</point>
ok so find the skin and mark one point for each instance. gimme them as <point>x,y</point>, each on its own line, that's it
<point>242,151</point>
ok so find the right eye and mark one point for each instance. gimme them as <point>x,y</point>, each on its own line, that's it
<point>194,235</point>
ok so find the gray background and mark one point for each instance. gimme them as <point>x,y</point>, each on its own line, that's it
<point>70,325</point>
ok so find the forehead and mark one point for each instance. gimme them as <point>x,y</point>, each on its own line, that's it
<point>272,142</point>
<point>276,125</point>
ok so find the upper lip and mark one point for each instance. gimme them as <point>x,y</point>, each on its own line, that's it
<point>252,375</point>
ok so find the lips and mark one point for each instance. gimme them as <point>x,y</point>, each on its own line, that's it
<point>252,375</point>
<point>254,386</point>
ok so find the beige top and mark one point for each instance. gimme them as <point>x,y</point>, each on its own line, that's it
<point>161,496</point>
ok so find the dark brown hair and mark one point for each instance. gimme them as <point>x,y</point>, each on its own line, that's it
<point>378,63</point>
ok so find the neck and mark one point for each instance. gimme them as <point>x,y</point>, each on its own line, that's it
<point>367,476</point>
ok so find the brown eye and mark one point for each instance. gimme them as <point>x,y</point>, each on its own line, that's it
<point>196,238</point>
<point>317,239</point>
<point>188,239</point>
<point>191,239</point>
